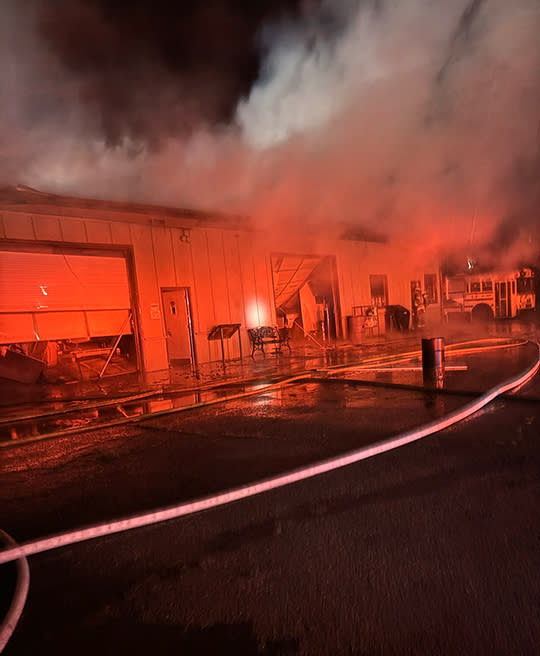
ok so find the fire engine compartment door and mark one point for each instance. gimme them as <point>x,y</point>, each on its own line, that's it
<point>56,296</point>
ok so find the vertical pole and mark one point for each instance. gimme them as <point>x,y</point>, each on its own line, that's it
<point>240,343</point>
<point>433,362</point>
<point>222,347</point>
<point>113,347</point>
<point>193,349</point>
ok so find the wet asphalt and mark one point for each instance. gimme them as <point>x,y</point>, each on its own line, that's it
<point>432,548</point>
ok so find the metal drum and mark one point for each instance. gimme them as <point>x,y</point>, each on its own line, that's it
<point>356,324</point>
<point>433,362</point>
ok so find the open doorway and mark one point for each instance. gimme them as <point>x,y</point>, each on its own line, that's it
<point>306,296</point>
<point>179,326</point>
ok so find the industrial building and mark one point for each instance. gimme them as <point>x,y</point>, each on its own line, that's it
<point>165,285</point>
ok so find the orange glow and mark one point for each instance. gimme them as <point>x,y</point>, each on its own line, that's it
<point>257,314</point>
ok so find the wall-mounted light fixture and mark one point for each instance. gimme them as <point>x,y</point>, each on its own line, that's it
<point>185,234</point>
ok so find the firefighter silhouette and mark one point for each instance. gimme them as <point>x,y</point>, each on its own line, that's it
<point>418,308</point>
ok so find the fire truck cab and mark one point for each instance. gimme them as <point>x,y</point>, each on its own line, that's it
<point>490,295</point>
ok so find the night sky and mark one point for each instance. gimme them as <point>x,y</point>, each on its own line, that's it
<point>197,59</point>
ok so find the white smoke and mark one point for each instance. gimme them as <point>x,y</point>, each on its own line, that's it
<point>412,119</point>
<point>310,78</point>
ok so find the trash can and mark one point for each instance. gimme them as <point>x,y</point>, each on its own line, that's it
<point>355,325</point>
<point>397,318</point>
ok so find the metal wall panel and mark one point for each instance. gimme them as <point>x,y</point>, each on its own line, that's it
<point>155,354</point>
<point>203,296</point>
<point>73,231</point>
<point>234,277</point>
<point>108,322</point>
<point>18,226</point>
<point>98,232</point>
<point>258,293</point>
<point>218,276</point>
<point>15,328</point>
<point>236,289</point>
<point>150,319</point>
<point>163,253</point>
<point>264,287</point>
<point>182,259</point>
<point>47,228</point>
<point>248,282</point>
<point>60,325</point>
<point>120,233</point>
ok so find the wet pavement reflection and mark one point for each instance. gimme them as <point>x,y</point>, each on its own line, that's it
<point>371,378</point>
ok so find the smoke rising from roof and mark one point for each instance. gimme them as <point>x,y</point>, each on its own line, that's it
<point>418,118</point>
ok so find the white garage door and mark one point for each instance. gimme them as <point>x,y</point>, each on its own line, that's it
<point>51,296</point>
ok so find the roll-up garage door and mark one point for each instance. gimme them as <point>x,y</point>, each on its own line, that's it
<point>51,296</point>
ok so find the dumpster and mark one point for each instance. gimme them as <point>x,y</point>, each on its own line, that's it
<point>397,318</point>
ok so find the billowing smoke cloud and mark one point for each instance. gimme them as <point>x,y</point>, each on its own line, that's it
<point>415,118</point>
<point>419,118</point>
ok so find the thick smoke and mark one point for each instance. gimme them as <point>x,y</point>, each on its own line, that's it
<point>419,119</point>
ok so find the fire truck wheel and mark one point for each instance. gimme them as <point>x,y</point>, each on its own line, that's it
<point>482,313</point>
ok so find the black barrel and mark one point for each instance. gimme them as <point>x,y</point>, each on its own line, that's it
<point>355,326</point>
<point>433,362</point>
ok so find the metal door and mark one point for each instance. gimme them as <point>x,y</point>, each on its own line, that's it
<point>502,308</point>
<point>67,295</point>
<point>178,324</point>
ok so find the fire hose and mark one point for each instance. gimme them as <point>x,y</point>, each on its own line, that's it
<point>19,595</point>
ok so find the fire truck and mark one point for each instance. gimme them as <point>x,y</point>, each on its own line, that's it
<point>490,295</point>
